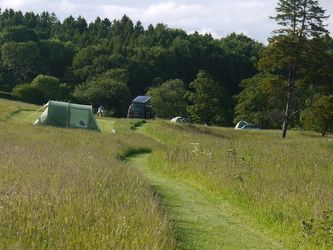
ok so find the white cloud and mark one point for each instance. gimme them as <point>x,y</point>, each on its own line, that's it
<point>173,11</point>
<point>69,7</point>
<point>18,4</point>
<point>219,18</point>
<point>11,3</point>
<point>115,11</point>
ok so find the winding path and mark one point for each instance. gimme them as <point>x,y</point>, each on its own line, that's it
<point>199,223</point>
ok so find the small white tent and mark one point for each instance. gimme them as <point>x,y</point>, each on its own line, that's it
<point>241,124</point>
<point>177,119</point>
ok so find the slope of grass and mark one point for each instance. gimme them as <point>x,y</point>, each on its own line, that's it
<point>63,188</point>
<point>106,125</point>
<point>281,186</point>
<point>68,189</point>
<point>200,223</point>
<point>8,109</point>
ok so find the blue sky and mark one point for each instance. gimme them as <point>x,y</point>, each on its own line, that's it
<point>210,16</point>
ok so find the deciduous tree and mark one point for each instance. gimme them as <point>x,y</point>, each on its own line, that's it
<point>205,97</point>
<point>108,89</point>
<point>168,99</point>
<point>319,117</point>
<point>262,101</point>
<point>23,59</point>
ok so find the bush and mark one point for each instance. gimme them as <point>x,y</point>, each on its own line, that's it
<point>48,85</point>
<point>42,89</point>
<point>168,99</point>
<point>108,89</point>
<point>27,93</point>
<point>319,117</point>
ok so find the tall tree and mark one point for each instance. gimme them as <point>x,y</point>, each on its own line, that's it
<point>56,57</point>
<point>168,99</point>
<point>205,97</point>
<point>301,21</point>
<point>242,53</point>
<point>262,101</point>
<point>108,89</point>
<point>22,59</point>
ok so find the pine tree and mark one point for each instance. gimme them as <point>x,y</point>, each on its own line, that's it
<point>301,21</point>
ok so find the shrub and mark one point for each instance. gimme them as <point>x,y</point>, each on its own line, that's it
<point>319,117</point>
<point>27,93</point>
<point>168,99</point>
<point>42,89</point>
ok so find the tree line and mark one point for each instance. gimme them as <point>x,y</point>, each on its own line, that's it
<point>109,62</point>
<point>214,81</point>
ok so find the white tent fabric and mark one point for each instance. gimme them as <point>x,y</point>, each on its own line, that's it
<point>241,124</point>
<point>177,119</point>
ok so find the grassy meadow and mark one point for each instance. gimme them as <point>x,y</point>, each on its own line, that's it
<point>283,187</point>
<point>68,189</point>
<point>64,188</point>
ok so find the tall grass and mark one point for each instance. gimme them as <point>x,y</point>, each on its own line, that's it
<point>68,189</point>
<point>285,186</point>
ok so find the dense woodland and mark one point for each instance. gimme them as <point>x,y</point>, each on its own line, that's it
<point>109,62</point>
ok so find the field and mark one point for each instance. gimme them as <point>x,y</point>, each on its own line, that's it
<point>64,188</point>
<point>68,188</point>
<point>284,187</point>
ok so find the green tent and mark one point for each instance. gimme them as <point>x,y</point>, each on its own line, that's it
<point>68,115</point>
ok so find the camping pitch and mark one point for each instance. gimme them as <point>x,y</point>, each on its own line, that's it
<point>68,115</point>
<point>246,125</point>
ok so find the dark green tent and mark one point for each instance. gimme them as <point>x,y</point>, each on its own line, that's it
<point>68,115</point>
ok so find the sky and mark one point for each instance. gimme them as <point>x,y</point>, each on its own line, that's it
<point>218,17</point>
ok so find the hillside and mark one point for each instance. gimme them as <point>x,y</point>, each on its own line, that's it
<point>64,188</point>
<point>109,62</point>
<point>71,188</point>
<point>80,58</point>
<point>282,187</point>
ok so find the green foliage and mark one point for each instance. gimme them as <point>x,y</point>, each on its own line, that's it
<point>300,15</point>
<point>108,89</point>
<point>57,56</point>
<point>51,88</point>
<point>205,97</point>
<point>168,99</point>
<point>26,92</point>
<point>77,52</point>
<point>42,89</point>
<point>46,84</point>
<point>262,101</point>
<point>242,53</point>
<point>319,117</point>
<point>87,62</point>
<point>293,52</point>
<point>71,30</point>
<point>23,59</point>
<point>18,34</point>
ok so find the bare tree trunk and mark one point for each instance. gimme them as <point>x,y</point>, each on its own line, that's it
<point>287,114</point>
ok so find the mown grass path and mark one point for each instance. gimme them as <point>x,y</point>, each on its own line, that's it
<point>199,223</point>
